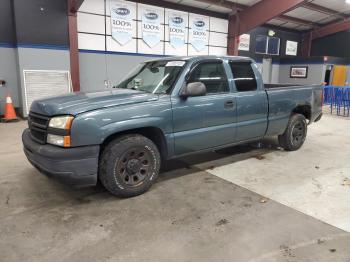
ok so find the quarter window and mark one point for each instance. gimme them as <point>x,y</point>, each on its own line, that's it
<point>213,75</point>
<point>244,76</point>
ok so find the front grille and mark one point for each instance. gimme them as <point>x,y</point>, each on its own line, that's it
<point>38,127</point>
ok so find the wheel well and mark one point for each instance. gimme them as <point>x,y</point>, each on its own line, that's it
<point>153,133</point>
<point>304,110</point>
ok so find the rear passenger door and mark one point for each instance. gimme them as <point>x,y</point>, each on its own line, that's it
<point>252,103</point>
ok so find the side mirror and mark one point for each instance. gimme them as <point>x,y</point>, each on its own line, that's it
<point>194,89</point>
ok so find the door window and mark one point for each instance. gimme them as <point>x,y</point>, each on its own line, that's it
<point>213,75</point>
<point>244,76</point>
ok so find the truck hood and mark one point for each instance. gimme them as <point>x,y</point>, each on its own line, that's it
<point>76,103</point>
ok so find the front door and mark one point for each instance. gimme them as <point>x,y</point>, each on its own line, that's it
<point>208,121</point>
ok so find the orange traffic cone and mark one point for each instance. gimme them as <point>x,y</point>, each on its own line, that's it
<point>10,114</point>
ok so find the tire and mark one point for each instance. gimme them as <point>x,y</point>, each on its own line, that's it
<point>294,137</point>
<point>129,165</point>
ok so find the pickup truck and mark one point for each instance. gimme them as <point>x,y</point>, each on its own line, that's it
<point>164,109</point>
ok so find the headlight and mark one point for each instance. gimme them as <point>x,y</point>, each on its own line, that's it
<point>59,131</point>
<point>61,122</point>
<point>56,140</point>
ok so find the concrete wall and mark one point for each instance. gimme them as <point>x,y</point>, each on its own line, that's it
<point>95,68</point>
<point>39,59</point>
<point>315,74</point>
<point>8,72</point>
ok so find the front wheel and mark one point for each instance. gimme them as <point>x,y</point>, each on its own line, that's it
<point>129,165</point>
<point>294,136</point>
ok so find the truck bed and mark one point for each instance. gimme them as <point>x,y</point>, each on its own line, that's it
<point>283,98</point>
<point>270,86</point>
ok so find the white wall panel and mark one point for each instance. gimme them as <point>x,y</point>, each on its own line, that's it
<point>193,51</point>
<point>96,25</point>
<point>114,46</point>
<point>218,25</point>
<point>218,39</point>
<point>143,48</point>
<point>91,23</point>
<point>170,50</point>
<point>93,6</point>
<point>213,50</point>
<point>91,42</point>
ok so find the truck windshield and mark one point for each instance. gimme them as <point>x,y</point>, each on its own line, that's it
<point>157,77</point>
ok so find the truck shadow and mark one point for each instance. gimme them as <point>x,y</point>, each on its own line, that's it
<point>210,160</point>
<point>172,170</point>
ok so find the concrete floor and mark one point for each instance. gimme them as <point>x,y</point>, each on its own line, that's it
<point>193,213</point>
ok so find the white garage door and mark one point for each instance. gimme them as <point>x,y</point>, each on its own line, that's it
<point>40,84</point>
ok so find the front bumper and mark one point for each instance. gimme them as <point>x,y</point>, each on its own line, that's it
<point>74,166</point>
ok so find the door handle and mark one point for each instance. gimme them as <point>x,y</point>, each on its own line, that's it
<point>229,104</point>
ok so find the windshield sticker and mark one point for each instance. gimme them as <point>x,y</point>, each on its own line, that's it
<point>175,63</point>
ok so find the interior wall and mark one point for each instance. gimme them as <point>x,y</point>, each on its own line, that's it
<point>94,31</point>
<point>333,45</point>
<point>8,72</point>
<point>284,35</point>
<point>40,59</point>
<point>96,68</point>
<point>315,76</point>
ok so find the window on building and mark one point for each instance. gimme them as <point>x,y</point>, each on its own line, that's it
<point>213,75</point>
<point>273,46</point>
<point>267,45</point>
<point>244,76</point>
<point>261,44</point>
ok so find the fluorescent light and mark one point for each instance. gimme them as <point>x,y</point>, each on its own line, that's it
<point>347,1</point>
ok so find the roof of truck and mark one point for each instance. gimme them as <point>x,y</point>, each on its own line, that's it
<point>204,57</point>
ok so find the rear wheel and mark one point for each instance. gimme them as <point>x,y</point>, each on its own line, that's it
<point>129,165</point>
<point>294,136</point>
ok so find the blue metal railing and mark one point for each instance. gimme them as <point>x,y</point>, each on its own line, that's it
<point>338,98</point>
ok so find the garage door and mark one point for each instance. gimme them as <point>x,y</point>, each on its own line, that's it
<point>40,84</point>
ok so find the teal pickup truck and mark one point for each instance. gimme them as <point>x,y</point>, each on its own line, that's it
<point>164,109</point>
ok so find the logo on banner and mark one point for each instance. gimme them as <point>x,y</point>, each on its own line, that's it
<point>177,30</point>
<point>121,22</point>
<point>151,29</point>
<point>199,34</point>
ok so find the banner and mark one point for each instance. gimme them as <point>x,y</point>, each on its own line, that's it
<point>151,28</point>
<point>291,48</point>
<point>199,34</point>
<point>244,42</point>
<point>121,21</point>
<point>177,29</point>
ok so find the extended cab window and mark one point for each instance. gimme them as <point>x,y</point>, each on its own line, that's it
<point>244,76</point>
<point>212,74</point>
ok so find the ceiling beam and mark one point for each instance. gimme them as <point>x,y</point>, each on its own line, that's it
<point>263,12</point>
<point>323,10</point>
<point>240,7</point>
<point>331,29</point>
<point>296,20</point>
<point>182,7</point>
